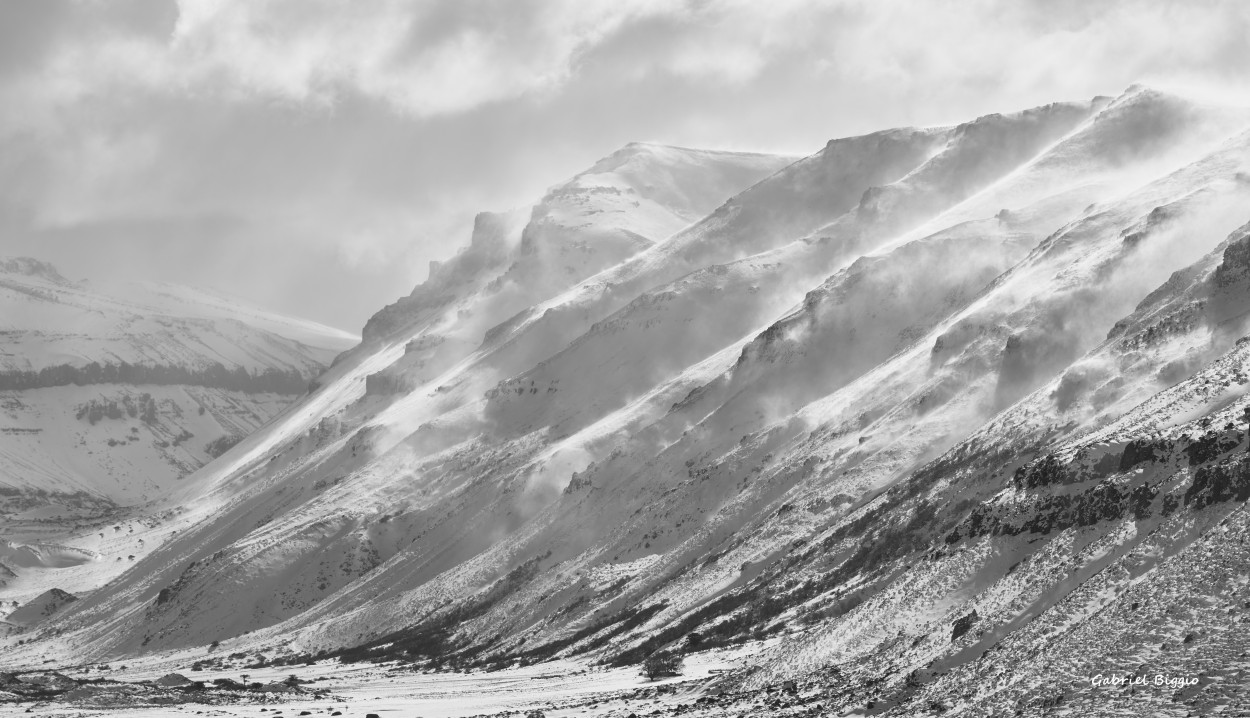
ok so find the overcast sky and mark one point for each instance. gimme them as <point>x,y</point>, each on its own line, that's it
<point>314,155</point>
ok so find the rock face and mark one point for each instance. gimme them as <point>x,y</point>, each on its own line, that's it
<point>927,403</point>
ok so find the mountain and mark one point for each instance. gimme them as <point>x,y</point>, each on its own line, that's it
<point>930,404</point>
<point>113,394</point>
<point>209,365</point>
<point>626,203</point>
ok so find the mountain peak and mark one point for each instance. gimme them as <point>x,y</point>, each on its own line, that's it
<point>1142,94</point>
<point>1139,97</point>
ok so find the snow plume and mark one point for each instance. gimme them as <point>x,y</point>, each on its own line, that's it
<point>1205,221</point>
<point>862,314</point>
<point>1069,321</point>
<point>553,471</point>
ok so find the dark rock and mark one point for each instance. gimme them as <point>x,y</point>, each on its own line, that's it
<point>963,625</point>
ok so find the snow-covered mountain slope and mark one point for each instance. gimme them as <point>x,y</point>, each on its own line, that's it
<point>725,299</point>
<point>803,413</point>
<point>112,394</point>
<point>981,163</point>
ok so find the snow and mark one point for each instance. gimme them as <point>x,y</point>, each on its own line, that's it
<point>558,688</point>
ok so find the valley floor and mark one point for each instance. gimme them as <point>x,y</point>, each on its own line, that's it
<point>707,688</point>
<point>561,688</point>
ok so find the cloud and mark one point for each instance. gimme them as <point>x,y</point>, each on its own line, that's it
<point>444,58</point>
<point>421,58</point>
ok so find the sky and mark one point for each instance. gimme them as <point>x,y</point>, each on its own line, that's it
<point>313,156</point>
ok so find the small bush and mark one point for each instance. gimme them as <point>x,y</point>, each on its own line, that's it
<point>221,445</point>
<point>661,664</point>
